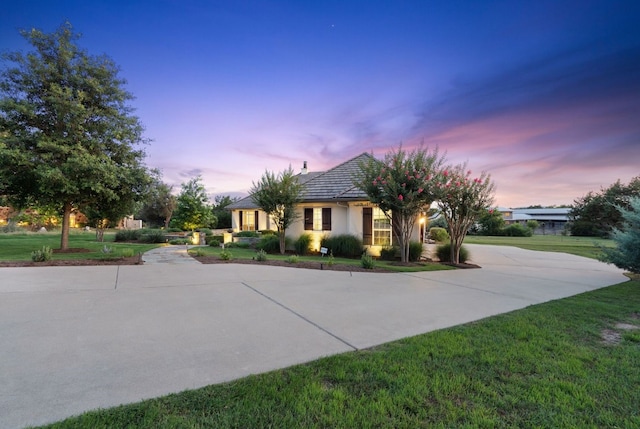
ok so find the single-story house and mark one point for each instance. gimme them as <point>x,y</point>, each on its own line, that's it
<point>331,204</point>
<point>550,220</point>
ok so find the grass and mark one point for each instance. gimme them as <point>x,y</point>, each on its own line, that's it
<point>543,366</point>
<point>18,246</point>
<point>581,246</point>
<point>239,253</point>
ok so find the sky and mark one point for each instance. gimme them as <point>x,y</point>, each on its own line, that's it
<point>543,95</point>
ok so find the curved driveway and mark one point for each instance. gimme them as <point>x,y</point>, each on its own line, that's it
<point>79,338</point>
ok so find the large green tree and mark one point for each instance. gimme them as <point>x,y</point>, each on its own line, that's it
<point>462,199</point>
<point>402,185</point>
<point>597,214</point>
<point>68,137</point>
<point>277,195</point>
<point>193,209</point>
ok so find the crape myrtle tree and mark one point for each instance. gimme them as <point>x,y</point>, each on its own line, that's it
<point>277,195</point>
<point>462,200</point>
<point>193,209</point>
<point>626,254</point>
<point>402,185</point>
<point>68,137</point>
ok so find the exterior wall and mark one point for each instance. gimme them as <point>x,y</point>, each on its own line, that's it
<point>346,218</point>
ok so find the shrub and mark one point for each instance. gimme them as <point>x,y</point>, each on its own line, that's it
<point>269,243</point>
<point>439,234</point>
<point>41,255</point>
<point>213,243</point>
<point>127,253</point>
<point>238,245</point>
<point>128,235</point>
<point>152,236</point>
<point>209,238</point>
<point>268,232</point>
<point>345,245</point>
<point>247,234</point>
<point>443,252</point>
<point>389,253</point>
<point>331,260</point>
<point>367,261</point>
<point>415,251</point>
<point>293,259</point>
<point>626,254</point>
<point>517,230</point>
<point>10,227</point>
<point>261,256</point>
<point>225,255</point>
<point>206,231</point>
<point>180,241</point>
<point>303,244</point>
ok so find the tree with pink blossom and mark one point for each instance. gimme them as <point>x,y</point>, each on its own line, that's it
<point>462,198</point>
<point>402,185</point>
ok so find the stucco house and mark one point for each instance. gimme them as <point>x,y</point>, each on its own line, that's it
<point>331,204</point>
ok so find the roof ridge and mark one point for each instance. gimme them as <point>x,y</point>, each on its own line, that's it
<point>337,166</point>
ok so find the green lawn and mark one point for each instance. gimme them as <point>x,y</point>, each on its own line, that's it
<point>239,253</point>
<point>581,246</point>
<point>543,366</point>
<point>18,246</point>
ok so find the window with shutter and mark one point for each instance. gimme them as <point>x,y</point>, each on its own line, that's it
<point>326,219</point>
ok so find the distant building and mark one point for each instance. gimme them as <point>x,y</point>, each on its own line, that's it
<point>550,220</point>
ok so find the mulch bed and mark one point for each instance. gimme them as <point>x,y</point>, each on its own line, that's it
<point>301,264</point>
<point>133,260</point>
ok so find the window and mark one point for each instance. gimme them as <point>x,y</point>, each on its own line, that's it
<point>248,220</point>
<point>317,219</point>
<point>381,228</point>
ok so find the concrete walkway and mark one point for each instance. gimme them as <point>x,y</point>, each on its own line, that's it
<point>169,255</point>
<point>78,338</point>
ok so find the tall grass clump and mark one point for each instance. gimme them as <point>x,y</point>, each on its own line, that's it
<point>367,261</point>
<point>128,235</point>
<point>302,245</point>
<point>152,236</point>
<point>415,251</point>
<point>344,245</point>
<point>443,252</point>
<point>41,255</point>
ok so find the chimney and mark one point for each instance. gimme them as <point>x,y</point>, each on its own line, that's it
<point>304,168</point>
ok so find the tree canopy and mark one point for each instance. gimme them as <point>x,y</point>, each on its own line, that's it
<point>193,209</point>
<point>277,196</point>
<point>462,199</point>
<point>597,214</point>
<point>68,137</point>
<point>159,204</point>
<point>402,185</point>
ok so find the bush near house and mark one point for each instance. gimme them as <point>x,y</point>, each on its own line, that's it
<point>390,253</point>
<point>247,234</point>
<point>302,244</point>
<point>343,245</point>
<point>269,243</point>
<point>415,251</point>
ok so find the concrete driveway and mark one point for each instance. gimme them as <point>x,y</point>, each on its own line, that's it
<point>78,338</point>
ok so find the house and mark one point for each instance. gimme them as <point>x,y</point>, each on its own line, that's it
<point>550,220</point>
<point>331,204</point>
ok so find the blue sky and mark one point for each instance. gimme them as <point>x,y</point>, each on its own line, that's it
<point>544,95</point>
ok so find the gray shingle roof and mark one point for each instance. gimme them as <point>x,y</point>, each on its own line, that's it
<point>335,184</point>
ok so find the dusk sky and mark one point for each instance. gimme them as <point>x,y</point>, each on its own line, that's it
<point>544,95</point>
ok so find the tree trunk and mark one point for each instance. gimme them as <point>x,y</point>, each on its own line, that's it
<point>282,241</point>
<point>66,220</point>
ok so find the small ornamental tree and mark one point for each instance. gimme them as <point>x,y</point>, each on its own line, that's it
<point>402,186</point>
<point>277,196</point>
<point>626,254</point>
<point>462,200</point>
